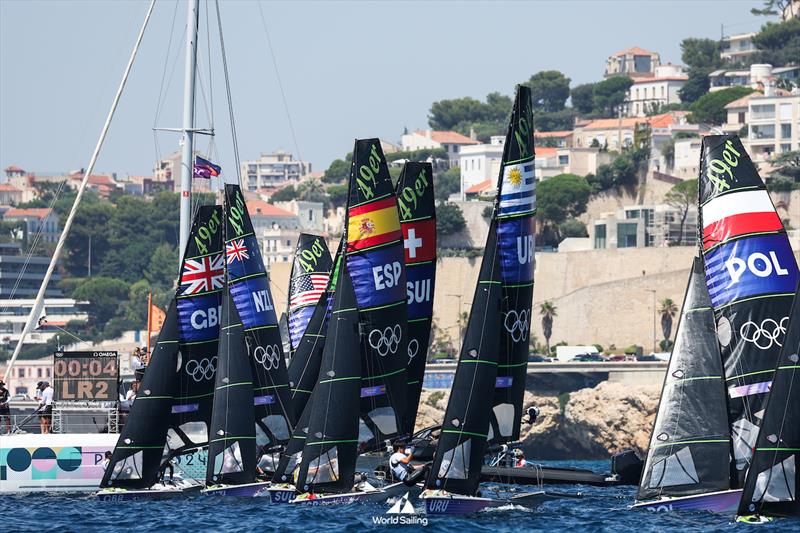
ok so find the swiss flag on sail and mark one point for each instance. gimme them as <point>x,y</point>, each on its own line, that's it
<point>419,240</point>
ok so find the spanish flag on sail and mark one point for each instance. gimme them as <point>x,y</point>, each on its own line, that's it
<point>373,224</point>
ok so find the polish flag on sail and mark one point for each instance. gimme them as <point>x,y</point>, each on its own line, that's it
<point>740,213</point>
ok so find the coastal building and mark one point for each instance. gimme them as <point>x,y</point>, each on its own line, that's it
<point>309,214</point>
<point>57,314</point>
<point>27,373</point>
<point>101,184</point>
<point>278,245</point>
<point>632,62</point>
<point>267,216</point>
<point>37,220</point>
<point>169,170</point>
<point>735,48</point>
<point>274,170</point>
<point>773,123</point>
<point>686,158</point>
<point>582,161</point>
<point>480,162</point>
<point>21,275</point>
<point>758,76</point>
<point>650,94</point>
<point>559,139</point>
<point>737,114</point>
<point>450,141</point>
<point>10,195</point>
<point>644,226</point>
<point>13,172</point>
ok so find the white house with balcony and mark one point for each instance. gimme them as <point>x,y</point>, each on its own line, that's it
<point>648,95</point>
<point>480,162</point>
<point>273,170</point>
<point>774,120</point>
<point>734,48</point>
<point>450,141</point>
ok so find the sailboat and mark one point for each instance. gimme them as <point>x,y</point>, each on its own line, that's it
<point>172,412</point>
<point>417,207</point>
<point>688,462</point>
<point>770,488</point>
<point>751,277</point>
<point>308,281</point>
<point>496,325</point>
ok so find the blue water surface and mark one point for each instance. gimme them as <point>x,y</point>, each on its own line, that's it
<point>601,509</point>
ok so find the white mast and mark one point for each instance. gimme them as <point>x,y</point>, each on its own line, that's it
<point>187,141</point>
<point>38,304</point>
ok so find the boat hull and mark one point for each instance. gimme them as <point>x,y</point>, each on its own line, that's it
<point>374,496</point>
<point>124,495</point>
<point>457,504</point>
<point>248,490</point>
<point>56,462</point>
<point>281,494</point>
<point>716,502</point>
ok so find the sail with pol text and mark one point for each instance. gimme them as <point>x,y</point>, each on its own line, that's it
<point>483,402</point>
<point>690,443</point>
<point>307,283</point>
<point>773,478</point>
<point>417,207</point>
<point>250,290</point>
<point>374,259</point>
<point>752,275</point>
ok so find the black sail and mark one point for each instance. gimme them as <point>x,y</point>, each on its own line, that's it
<point>486,398</point>
<point>772,481</point>
<point>232,448</point>
<point>199,303</point>
<point>136,460</point>
<point>690,445</point>
<point>416,204</point>
<point>514,216</point>
<point>751,274</point>
<point>304,366</point>
<point>250,290</point>
<point>374,260</point>
<point>331,446</point>
<point>307,283</point>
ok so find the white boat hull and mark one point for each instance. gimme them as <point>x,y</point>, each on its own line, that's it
<point>726,501</point>
<point>69,462</point>
<point>376,496</point>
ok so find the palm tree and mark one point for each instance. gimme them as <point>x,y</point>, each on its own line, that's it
<point>667,311</point>
<point>548,312</point>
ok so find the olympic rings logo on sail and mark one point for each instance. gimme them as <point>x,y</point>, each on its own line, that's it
<point>766,334</point>
<point>386,341</point>
<point>517,324</point>
<point>202,369</point>
<point>269,357</point>
<point>412,352</point>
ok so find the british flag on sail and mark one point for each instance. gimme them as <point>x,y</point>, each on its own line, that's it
<point>518,191</point>
<point>307,290</point>
<point>202,274</point>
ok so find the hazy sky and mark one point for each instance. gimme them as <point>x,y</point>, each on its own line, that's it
<point>349,69</point>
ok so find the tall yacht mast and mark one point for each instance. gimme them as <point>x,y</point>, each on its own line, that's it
<point>187,141</point>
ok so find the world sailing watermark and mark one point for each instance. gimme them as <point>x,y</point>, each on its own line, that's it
<point>400,513</point>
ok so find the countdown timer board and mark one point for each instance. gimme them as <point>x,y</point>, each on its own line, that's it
<point>86,376</point>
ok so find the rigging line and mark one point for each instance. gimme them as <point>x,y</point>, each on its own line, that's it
<point>280,83</point>
<point>230,99</point>
<point>160,108</point>
<point>32,245</point>
<point>38,304</point>
<point>166,63</point>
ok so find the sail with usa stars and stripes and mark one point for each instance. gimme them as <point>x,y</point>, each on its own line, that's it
<point>307,283</point>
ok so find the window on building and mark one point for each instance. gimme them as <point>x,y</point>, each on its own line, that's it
<point>786,148</point>
<point>563,160</point>
<point>761,112</point>
<point>786,131</point>
<point>39,373</point>
<point>741,117</point>
<point>762,132</point>
<point>626,235</point>
<point>600,236</point>
<point>20,372</point>
<point>786,112</point>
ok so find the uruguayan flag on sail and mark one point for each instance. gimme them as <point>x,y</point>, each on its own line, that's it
<point>518,192</point>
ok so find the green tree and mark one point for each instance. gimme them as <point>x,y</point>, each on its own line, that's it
<point>446,114</point>
<point>610,93</point>
<point>161,271</point>
<point>337,194</point>
<point>779,43</point>
<point>548,312</point>
<point>135,307</point>
<point>572,227</point>
<point>549,90</point>
<point>682,196</point>
<point>105,296</point>
<point>696,86</point>
<point>284,194</point>
<point>89,227</point>
<point>787,164</point>
<point>667,312</point>
<point>338,171</point>
<point>700,53</point>
<point>449,219</point>
<point>555,121</point>
<point>710,108</point>
<point>447,183</point>
<point>312,190</point>
<point>583,98</point>
<point>561,197</point>
<point>775,8</point>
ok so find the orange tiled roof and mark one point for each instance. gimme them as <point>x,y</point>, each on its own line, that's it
<point>448,137</point>
<point>664,78</point>
<point>479,187</point>
<point>546,151</point>
<point>8,188</point>
<point>38,212</point>
<point>545,134</point>
<point>657,121</point>
<point>266,209</point>
<point>13,168</point>
<point>635,50</point>
<point>95,179</point>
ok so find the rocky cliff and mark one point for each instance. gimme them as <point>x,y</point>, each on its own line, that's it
<point>587,424</point>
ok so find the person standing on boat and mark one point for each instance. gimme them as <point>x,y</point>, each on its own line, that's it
<point>5,410</point>
<point>46,408</point>
<point>399,462</point>
<point>137,364</point>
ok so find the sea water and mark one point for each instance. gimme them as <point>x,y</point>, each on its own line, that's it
<point>600,509</point>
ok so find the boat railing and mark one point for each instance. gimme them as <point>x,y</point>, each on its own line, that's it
<point>67,421</point>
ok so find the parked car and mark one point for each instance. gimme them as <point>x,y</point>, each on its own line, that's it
<point>536,358</point>
<point>589,357</point>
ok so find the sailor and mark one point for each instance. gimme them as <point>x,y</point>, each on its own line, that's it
<point>519,458</point>
<point>399,462</point>
<point>137,364</point>
<point>5,410</point>
<point>46,407</point>
<point>107,460</point>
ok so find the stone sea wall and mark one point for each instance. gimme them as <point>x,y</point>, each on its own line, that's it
<point>591,423</point>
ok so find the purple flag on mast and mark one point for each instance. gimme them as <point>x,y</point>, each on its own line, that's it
<point>205,169</point>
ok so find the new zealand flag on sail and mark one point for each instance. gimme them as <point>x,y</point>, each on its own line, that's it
<point>377,276</point>
<point>249,284</point>
<point>750,267</point>
<point>516,243</point>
